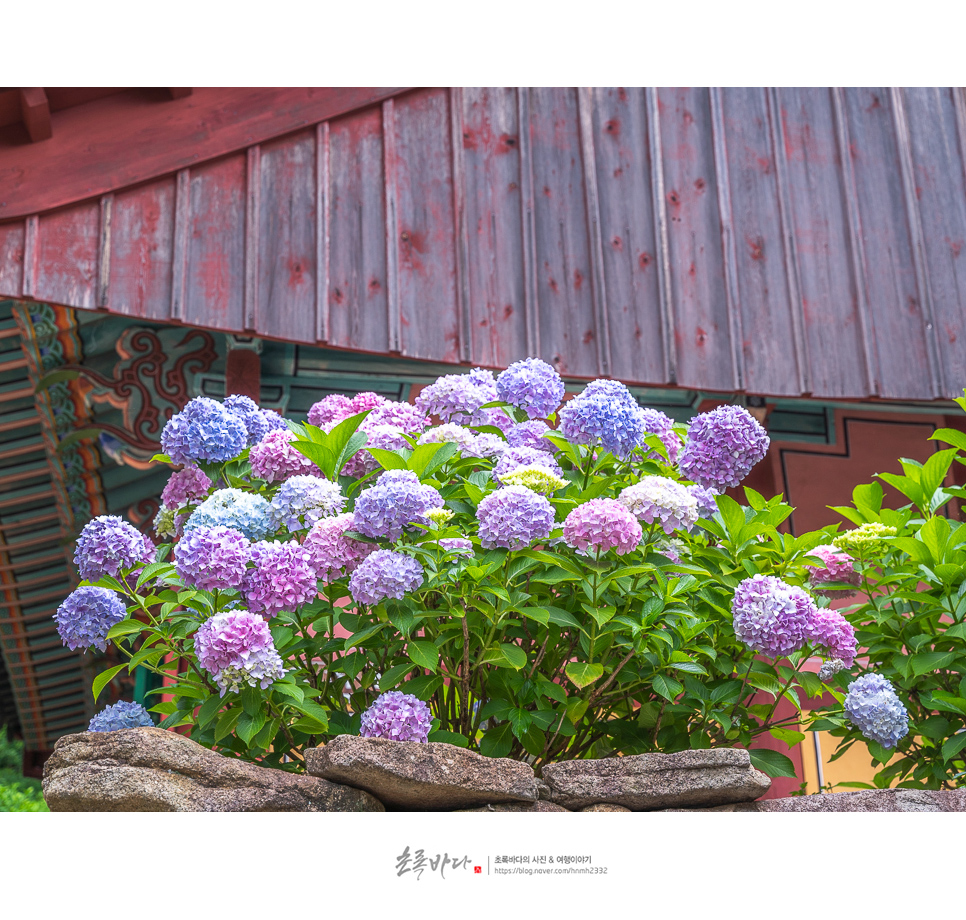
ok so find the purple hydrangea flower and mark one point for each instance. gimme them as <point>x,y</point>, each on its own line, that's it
<point>659,424</point>
<point>457,398</point>
<point>462,437</point>
<point>486,445</point>
<point>531,385</point>
<point>331,552</point>
<point>121,715</point>
<point>531,434</point>
<point>395,500</point>
<point>204,430</point>
<point>514,517</point>
<point>283,578</point>
<point>382,437</point>
<point>242,511</point>
<point>516,457</point>
<point>274,459</point>
<point>236,648</point>
<point>108,544</point>
<point>770,616</point>
<point>86,615</point>
<point>600,525</point>
<point>384,574</point>
<point>658,500</point>
<point>458,546</point>
<point>612,389</point>
<point>397,716</point>
<point>333,408</point>
<point>398,414</point>
<point>303,500</point>
<point>838,568</point>
<point>258,422</point>
<point>186,487</point>
<point>707,506</point>
<point>873,707</point>
<point>829,630</point>
<point>212,558</point>
<point>722,447</point>
<point>600,417</point>
<point>366,402</point>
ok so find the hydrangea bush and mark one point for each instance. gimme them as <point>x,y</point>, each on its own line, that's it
<point>505,571</point>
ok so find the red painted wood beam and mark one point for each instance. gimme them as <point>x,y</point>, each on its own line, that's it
<point>179,92</point>
<point>35,111</point>
<point>243,374</point>
<point>130,137</point>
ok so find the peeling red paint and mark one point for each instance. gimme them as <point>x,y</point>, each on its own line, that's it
<point>588,337</point>
<point>699,184</point>
<point>757,248</point>
<point>617,243</point>
<point>374,286</point>
<point>554,287</point>
<point>337,296</point>
<point>296,274</point>
<point>618,172</point>
<point>578,279</point>
<point>700,337</point>
<point>613,127</point>
<point>644,259</point>
<point>508,311</point>
<point>469,139</point>
<point>547,192</point>
<point>622,94</point>
<point>692,270</point>
<point>507,143</point>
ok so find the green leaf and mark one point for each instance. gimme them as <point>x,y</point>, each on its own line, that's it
<point>310,726</point>
<point>423,653</point>
<point>251,701</point>
<point>150,571</point>
<point>506,655</point>
<point>423,459</point>
<point>313,711</point>
<point>449,738</point>
<point>931,661</point>
<point>250,725</point>
<point>772,763</point>
<point>125,628</point>
<point>952,746</point>
<point>227,722</point>
<point>319,454</point>
<point>498,741</point>
<point>394,675</point>
<point>949,436</point>
<point>363,634</point>
<point>388,459</point>
<point>209,709</point>
<point>104,678</point>
<point>667,687</point>
<point>584,674</point>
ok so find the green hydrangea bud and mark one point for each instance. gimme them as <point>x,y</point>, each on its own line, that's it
<point>865,540</point>
<point>535,478</point>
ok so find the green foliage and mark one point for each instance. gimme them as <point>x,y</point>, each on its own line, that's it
<point>17,793</point>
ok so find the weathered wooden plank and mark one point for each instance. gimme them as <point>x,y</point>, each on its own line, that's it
<point>140,252</point>
<point>428,312</point>
<point>829,300</point>
<point>694,235</point>
<point>358,306</point>
<point>179,254</point>
<point>629,249</point>
<point>11,259</point>
<point>322,232</point>
<point>35,112</point>
<point>531,304</point>
<point>67,243</point>
<point>491,153</point>
<point>286,246</point>
<point>895,306</point>
<point>393,317</point>
<point>215,277</point>
<point>940,206</point>
<point>253,229</point>
<point>104,251</point>
<point>566,315</point>
<point>461,240</point>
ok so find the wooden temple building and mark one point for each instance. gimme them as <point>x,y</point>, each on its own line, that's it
<point>800,251</point>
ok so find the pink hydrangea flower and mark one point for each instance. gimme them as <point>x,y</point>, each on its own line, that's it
<point>333,554</point>
<point>274,459</point>
<point>600,525</point>
<point>838,568</point>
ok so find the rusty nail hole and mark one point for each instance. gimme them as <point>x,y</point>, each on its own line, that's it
<point>511,142</point>
<point>404,236</point>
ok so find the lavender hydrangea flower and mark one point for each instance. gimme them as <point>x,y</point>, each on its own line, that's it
<point>531,434</point>
<point>657,423</point>
<point>185,487</point>
<point>333,408</point>
<point>303,500</point>
<point>531,385</point>
<point>86,616</point>
<point>274,459</point>
<point>242,511</point>
<point>449,433</point>
<point>601,417</point>
<point>486,445</point>
<point>367,402</point>
<point>514,517</point>
<point>212,558</point>
<point>396,500</point>
<point>108,544</point>
<point>873,707</point>
<point>600,525</point>
<point>283,578</point>
<point>722,447</point>
<point>830,667</point>
<point>331,552</point>
<point>397,716</point>
<point>457,398</point>
<point>236,648</point>
<point>707,506</point>
<point>829,630</point>
<point>381,437</point>
<point>121,715</point>
<point>838,568</point>
<point>516,457</point>
<point>770,616</point>
<point>385,574</point>
<point>204,430</point>
<point>258,422</point>
<point>658,500</point>
<point>400,415</point>
<point>458,546</point>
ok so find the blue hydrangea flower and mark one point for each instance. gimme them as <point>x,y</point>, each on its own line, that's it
<point>771,616</point>
<point>303,500</point>
<point>242,511</point>
<point>396,500</point>
<point>121,715</point>
<point>397,716</point>
<point>873,707</point>
<point>384,574</point>
<point>531,385</point>
<point>722,447</point>
<point>603,418</point>
<point>458,398</point>
<point>212,558</point>
<point>108,544</point>
<point>705,498</point>
<point>204,430</point>
<point>514,517</point>
<point>257,422</point>
<point>86,615</point>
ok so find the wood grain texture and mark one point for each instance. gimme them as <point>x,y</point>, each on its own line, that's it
<point>11,257</point>
<point>67,246</point>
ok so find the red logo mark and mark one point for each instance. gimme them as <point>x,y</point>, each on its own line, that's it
<point>477,870</point>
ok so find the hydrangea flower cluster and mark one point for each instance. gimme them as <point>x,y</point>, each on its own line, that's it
<point>331,552</point>
<point>602,415</point>
<point>722,447</point>
<point>185,487</point>
<point>274,459</point>
<point>458,546</point>
<point>707,506</point>
<point>873,707</point>
<point>396,500</point>
<point>86,615</point>
<point>236,509</point>
<point>258,422</point>
<point>838,568</point>
<point>212,557</point>
<point>332,409</point>
<point>657,423</point>
<point>282,578</point>
<point>385,573</point>
<point>600,525</point>
<point>531,385</point>
<point>381,437</point>
<point>770,616</point>
<point>516,457</point>
<point>531,434</point>
<point>397,716</point>
<point>438,516</point>
<point>108,544</point>
<point>458,398</point>
<point>866,540</point>
<point>829,630</point>
<point>514,517</point>
<point>204,430</point>
<point>658,500</point>
<point>450,433</point>
<point>121,715</point>
<point>235,647</point>
<point>536,478</point>
<point>303,500</point>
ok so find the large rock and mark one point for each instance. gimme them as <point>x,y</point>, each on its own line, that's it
<point>646,782</point>
<point>416,776</point>
<point>864,800</point>
<point>528,808</point>
<point>150,769</point>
